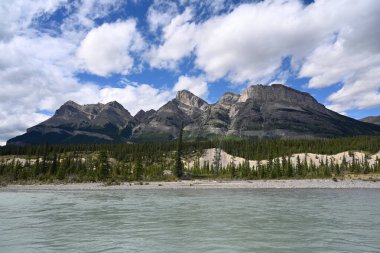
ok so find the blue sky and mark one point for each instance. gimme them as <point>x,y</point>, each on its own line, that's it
<point>141,52</point>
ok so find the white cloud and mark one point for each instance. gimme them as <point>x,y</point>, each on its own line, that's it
<point>86,11</point>
<point>17,123</point>
<point>179,41</point>
<point>160,13</point>
<point>246,44</point>
<point>17,15</point>
<point>107,48</point>
<point>360,91</point>
<point>207,8</point>
<point>35,68</point>
<point>197,85</point>
<point>352,59</point>
<point>135,98</point>
<point>329,41</point>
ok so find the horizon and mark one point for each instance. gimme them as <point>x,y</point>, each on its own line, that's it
<point>140,53</point>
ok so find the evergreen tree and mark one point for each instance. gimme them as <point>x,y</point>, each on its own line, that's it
<point>61,172</point>
<point>36,168</point>
<point>103,165</point>
<point>53,165</point>
<point>245,170</point>
<point>232,170</point>
<point>289,171</point>
<point>138,171</point>
<point>299,167</point>
<point>179,164</point>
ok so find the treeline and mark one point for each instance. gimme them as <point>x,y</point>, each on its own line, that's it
<point>269,149</point>
<point>159,161</point>
<point>81,167</point>
<point>248,149</point>
<point>283,168</point>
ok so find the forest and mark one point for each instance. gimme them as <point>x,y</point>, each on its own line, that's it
<point>115,163</point>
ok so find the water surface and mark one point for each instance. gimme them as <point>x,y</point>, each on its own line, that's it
<point>211,220</point>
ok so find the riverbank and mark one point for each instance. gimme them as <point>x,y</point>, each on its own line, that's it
<point>201,184</point>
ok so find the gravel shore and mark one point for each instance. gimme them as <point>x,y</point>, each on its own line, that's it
<point>201,184</point>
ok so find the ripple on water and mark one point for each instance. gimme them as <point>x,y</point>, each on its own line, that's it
<point>218,220</point>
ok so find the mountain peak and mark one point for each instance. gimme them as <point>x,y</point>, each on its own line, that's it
<point>184,93</point>
<point>68,108</point>
<point>189,99</point>
<point>115,104</point>
<point>278,93</point>
<point>71,103</point>
<point>228,98</point>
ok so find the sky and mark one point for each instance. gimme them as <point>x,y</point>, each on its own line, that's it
<point>140,52</point>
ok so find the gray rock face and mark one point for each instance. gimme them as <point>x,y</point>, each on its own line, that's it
<point>372,120</point>
<point>98,115</point>
<point>274,111</point>
<point>144,116</point>
<point>186,98</point>
<point>74,123</point>
<point>278,93</point>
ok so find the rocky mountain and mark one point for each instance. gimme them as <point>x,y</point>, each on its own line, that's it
<point>275,111</point>
<point>372,120</point>
<point>74,123</point>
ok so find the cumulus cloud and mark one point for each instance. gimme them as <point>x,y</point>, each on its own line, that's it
<point>226,45</point>
<point>16,124</point>
<point>328,41</point>
<point>135,98</point>
<point>17,15</point>
<point>197,85</point>
<point>352,59</point>
<point>86,12</point>
<point>35,68</point>
<point>360,91</point>
<point>107,48</point>
<point>179,41</point>
<point>160,13</point>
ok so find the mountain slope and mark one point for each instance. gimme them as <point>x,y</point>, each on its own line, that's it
<point>261,111</point>
<point>73,123</point>
<point>372,120</point>
<point>275,111</point>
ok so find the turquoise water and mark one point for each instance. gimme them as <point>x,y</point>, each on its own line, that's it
<point>191,220</point>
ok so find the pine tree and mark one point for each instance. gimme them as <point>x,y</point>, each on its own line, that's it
<point>290,171</point>
<point>103,165</point>
<point>36,168</point>
<point>53,165</point>
<point>179,164</point>
<point>299,167</point>
<point>61,172</point>
<point>245,170</point>
<point>232,170</point>
<point>138,171</point>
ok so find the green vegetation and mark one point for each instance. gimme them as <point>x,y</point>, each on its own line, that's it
<point>113,163</point>
<point>178,160</point>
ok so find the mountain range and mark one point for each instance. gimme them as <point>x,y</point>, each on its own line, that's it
<point>275,111</point>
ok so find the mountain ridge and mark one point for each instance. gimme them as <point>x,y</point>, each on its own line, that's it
<point>275,111</point>
<point>372,120</point>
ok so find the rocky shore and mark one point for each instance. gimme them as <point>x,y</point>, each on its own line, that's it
<point>201,184</point>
